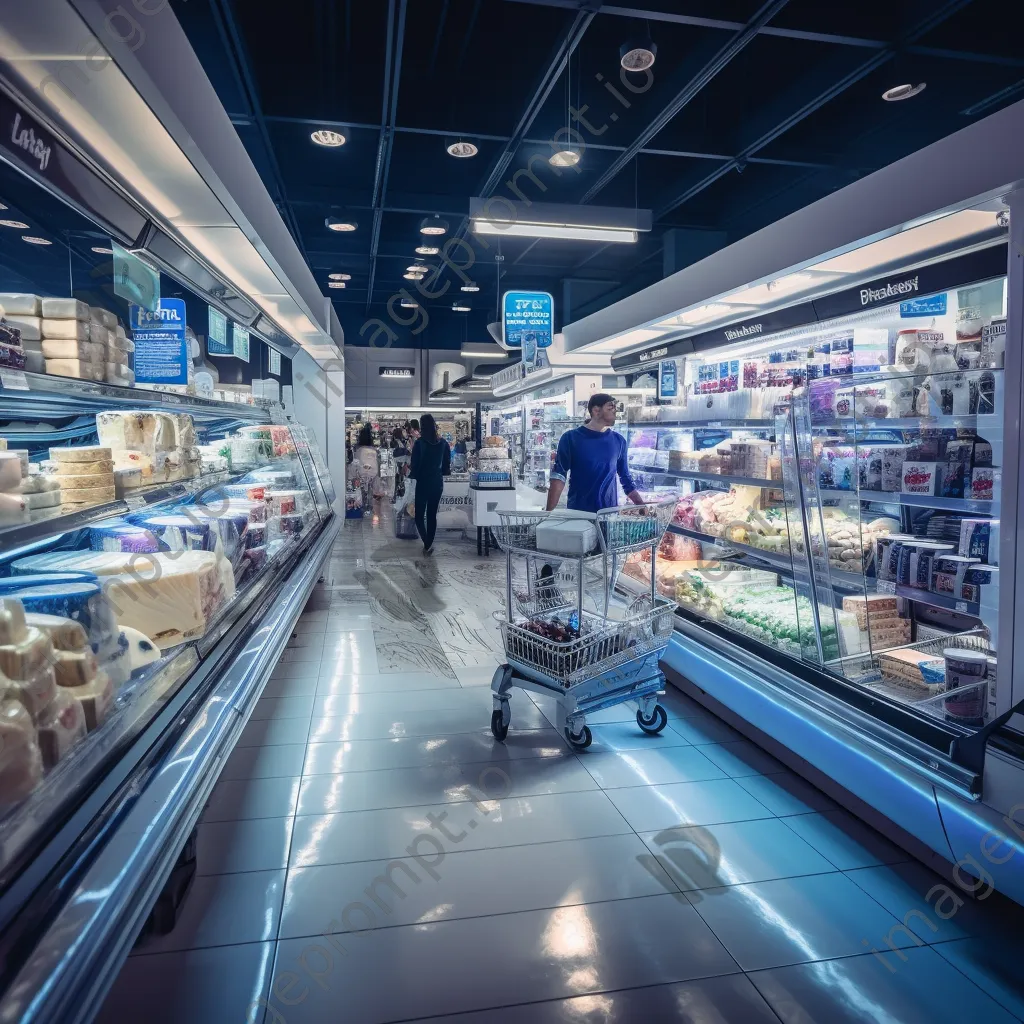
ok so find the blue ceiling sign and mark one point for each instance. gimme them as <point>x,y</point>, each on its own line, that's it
<point>528,320</point>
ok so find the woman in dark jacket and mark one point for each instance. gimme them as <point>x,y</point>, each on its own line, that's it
<point>431,463</point>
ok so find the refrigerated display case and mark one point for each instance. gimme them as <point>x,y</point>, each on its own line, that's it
<point>841,433</point>
<point>547,414</point>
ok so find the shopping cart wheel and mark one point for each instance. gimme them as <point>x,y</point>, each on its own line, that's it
<point>499,726</point>
<point>582,739</point>
<point>655,723</point>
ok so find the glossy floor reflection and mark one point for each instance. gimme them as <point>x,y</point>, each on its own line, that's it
<point>371,855</point>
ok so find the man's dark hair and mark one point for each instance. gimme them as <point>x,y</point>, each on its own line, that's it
<point>600,398</point>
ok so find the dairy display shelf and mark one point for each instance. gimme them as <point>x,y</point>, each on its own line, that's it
<point>968,422</point>
<point>51,522</point>
<point>686,474</point>
<point>65,396</point>
<point>944,601</point>
<point>716,424</point>
<point>980,507</point>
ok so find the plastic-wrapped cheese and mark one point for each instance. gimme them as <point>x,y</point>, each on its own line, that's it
<point>99,335</point>
<point>96,698</point>
<point>65,309</point>
<point>64,348</point>
<point>103,316</point>
<point>145,432</point>
<point>10,471</point>
<point>38,501</point>
<point>75,368</point>
<point>81,601</point>
<point>68,330</point>
<point>39,483</point>
<point>127,479</point>
<point>20,304</point>
<point>183,531</point>
<point>80,481</point>
<point>117,373</point>
<point>97,563</point>
<point>122,536</point>
<point>31,327</point>
<point>21,763</point>
<point>89,495</point>
<point>84,453</point>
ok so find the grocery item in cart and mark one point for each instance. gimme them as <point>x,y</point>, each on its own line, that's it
<point>568,532</point>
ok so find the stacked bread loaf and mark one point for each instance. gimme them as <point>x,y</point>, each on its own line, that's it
<point>85,474</point>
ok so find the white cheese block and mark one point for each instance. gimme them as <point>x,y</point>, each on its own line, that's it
<point>100,563</point>
<point>12,507</point>
<point>21,764</point>
<point>60,728</point>
<point>103,316</point>
<point>10,471</point>
<point>82,481</point>
<point>39,483</point>
<point>72,348</point>
<point>117,373</point>
<point>20,304</point>
<point>88,495</point>
<point>73,330</point>
<point>135,460</point>
<point>74,368</point>
<point>66,309</point>
<point>81,453</point>
<point>99,335</point>
<point>68,469</point>
<point>31,327</point>
<point>119,345</point>
<point>127,480</point>
<point>42,499</point>
<point>65,634</point>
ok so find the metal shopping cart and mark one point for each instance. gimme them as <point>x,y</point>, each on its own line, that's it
<point>568,631</point>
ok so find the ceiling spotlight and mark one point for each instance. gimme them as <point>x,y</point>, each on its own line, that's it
<point>471,287</point>
<point>335,284</point>
<point>903,92</point>
<point>457,308</point>
<point>564,158</point>
<point>409,304</point>
<point>3,206</point>
<point>462,150</point>
<point>20,224</point>
<point>325,137</point>
<point>337,224</point>
<point>427,250</point>
<point>433,226</point>
<point>103,250</point>
<point>637,54</point>
<point>409,275</point>
<point>418,268</point>
<point>340,277</point>
<point>35,240</point>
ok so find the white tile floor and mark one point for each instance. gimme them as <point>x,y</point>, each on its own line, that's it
<point>371,854</point>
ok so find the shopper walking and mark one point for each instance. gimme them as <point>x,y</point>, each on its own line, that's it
<point>400,451</point>
<point>431,463</point>
<point>591,457</point>
<point>365,467</point>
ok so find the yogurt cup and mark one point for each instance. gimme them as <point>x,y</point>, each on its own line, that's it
<point>966,672</point>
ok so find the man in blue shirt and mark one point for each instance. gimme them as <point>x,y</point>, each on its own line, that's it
<point>591,457</point>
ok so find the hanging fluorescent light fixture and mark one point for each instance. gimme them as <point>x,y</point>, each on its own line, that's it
<point>638,54</point>
<point>337,224</point>
<point>499,216</point>
<point>564,158</point>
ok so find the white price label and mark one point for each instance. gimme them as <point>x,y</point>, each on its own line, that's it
<point>14,380</point>
<point>135,502</point>
<point>961,606</point>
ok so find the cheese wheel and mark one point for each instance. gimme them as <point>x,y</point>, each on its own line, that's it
<point>20,304</point>
<point>69,469</point>
<point>82,453</point>
<point>84,481</point>
<point>89,495</point>
<point>65,309</point>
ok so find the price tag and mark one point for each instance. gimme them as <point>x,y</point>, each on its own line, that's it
<point>961,606</point>
<point>135,502</point>
<point>13,380</point>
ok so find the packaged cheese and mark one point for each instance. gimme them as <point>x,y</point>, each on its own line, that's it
<point>10,471</point>
<point>20,304</point>
<point>99,315</point>
<point>75,368</point>
<point>68,330</point>
<point>21,763</point>
<point>65,309</point>
<point>83,453</point>
<point>69,483</point>
<point>31,327</point>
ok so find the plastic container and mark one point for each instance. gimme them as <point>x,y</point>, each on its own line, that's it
<point>966,668</point>
<point>123,536</point>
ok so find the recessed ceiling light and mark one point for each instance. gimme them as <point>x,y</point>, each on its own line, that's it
<point>471,287</point>
<point>433,226</point>
<point>903,92</point>
<point>103,250</point>
<point>564,158</point>
<point>3,206</point>
<point>459,308</point>
<point>337,224</point>
<point>325,137</point>
<point>335,284</point>
<point>35,240</point>
<point>418,268</point>
<point>411,276</point>
<point>340,277</point>
<point>13,224</point>
<point>637,54</point>
<point>427,250</point>
<point>462,150</point>
<point>409,304</point>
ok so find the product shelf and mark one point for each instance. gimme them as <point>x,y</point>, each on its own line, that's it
<point>686,474</point>
<point>981,507</point>
<point>715,424</point>
<point>928,597</point>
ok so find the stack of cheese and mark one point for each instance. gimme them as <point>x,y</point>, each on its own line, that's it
<point>23,312</point>
<point>106,331</point>
<point>879,620</point>
<point>12,355</point>
<point>24,490</point>
<point>66,341</point>
<point>169,596</point>
<point>150,447</point>
<point>85,475</point>
<point>27,676</point>
<point>914,670</point>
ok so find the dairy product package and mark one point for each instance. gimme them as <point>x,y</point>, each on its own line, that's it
<point>30,327</point>
<point>921,477</point>
<point>65,330</point>
<point>979,538</point>
<point>65,309</point>
<point>21,762</point>
<point>984,483</point>
<point>20,304</point>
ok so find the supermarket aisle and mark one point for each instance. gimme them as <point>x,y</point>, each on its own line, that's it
<point>371,854</point>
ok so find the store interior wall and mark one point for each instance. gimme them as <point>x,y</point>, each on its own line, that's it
<point>318,396</point>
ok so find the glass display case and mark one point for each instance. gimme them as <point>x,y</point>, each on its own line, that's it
<point>838,496</point>
<point>547,414</point>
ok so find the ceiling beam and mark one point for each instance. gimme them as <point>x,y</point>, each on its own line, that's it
<point>947,10</point>
<point>718,63</point>
<point>385,144</point>
<point>231,39</point>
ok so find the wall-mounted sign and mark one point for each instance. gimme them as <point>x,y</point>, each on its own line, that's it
<point>135,280</point>
<point>668,379</point>
<point>239,342</point>
<point>275,362</point>
<point>161,349</point>
<point>396,372</point>
<point>933,305</point>
<point>527,320</point>
<point>217,334</point>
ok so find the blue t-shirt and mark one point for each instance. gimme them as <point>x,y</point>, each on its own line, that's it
<point>591,460</point>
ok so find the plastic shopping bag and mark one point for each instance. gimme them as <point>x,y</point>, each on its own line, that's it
<point>408,499</point>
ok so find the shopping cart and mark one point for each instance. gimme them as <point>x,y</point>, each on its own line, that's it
<point>569,633</point>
